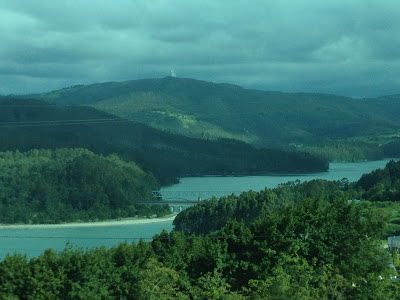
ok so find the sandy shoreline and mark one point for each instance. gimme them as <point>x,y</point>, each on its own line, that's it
<point>122,222</point>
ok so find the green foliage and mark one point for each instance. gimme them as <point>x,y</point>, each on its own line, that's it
<point>375,187</point>
<point>307,250</point>
<point>302,241</point>
<point>392,148</point>
<point>44,186</point>
<point>212,215</point>
<point>159,282</point>
<point>14,276</point>
<point>207,110</point>
<point>346,151</point>
<point>34,124</point>
<point>382,185</point>
<point>396,259</point>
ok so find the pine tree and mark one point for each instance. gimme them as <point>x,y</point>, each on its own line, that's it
<point>396,260</point>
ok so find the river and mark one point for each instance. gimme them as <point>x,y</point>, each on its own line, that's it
<point>221,186</point>
<point>33,241</point>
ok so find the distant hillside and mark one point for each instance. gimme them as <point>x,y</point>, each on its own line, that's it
<point>30,124</point>
<point>67,185</point>
<point>208,110</point>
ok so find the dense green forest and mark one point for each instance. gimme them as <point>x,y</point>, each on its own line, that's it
<point>310,250</point>
<point>392,149</point>
<point>271,119</point>
<point>65,185</point>
<point>311,240</point>
<point>348,151</point>
<point>300,240</point>
<point>377,186</point>
<point>33,124</point>
<point>354,150</point>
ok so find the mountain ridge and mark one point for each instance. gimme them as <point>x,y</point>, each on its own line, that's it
<point>221,84</point>
<point>209,110</point>
<point>35,124</point>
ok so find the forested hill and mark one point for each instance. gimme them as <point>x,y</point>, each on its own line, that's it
<point>34,124</point>
<point>307,251</point>
<point>208,110</point>
<point>66,185</point>
<point>382,185</point>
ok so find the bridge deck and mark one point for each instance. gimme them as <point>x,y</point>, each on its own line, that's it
<point>176,202</point>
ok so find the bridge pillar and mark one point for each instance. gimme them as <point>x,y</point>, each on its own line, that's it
<point>171,208</point>
<point>180,208</point>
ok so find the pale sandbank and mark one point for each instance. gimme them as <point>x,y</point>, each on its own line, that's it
<point>118,222</point>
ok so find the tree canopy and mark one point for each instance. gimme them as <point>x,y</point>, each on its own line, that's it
<point>33,124</point>
<point>309,250</point>
<point>64,185</point>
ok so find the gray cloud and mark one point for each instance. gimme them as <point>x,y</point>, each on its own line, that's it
<point>343,47</point>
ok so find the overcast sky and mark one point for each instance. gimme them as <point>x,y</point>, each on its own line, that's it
<point>346,47</point>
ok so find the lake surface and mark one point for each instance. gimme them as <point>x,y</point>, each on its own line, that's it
<point>191,188</point>
<point>35,240</point>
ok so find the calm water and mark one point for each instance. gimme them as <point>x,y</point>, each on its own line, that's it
<point>34,241</point>
<point>220,186</point>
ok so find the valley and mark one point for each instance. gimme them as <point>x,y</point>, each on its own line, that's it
<point>270,119</point>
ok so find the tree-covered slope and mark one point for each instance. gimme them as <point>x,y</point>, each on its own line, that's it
<point>311,250</point>
<point>28,124</point>
<point>211,215</point>
<point>208,110</point>
<point>379,188</point>
<point>382,184</point>
<point>65,185</point>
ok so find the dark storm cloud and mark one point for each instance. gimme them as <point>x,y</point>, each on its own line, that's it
<point>344,47</point>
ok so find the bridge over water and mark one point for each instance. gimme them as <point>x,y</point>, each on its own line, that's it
<point>179,200</point>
